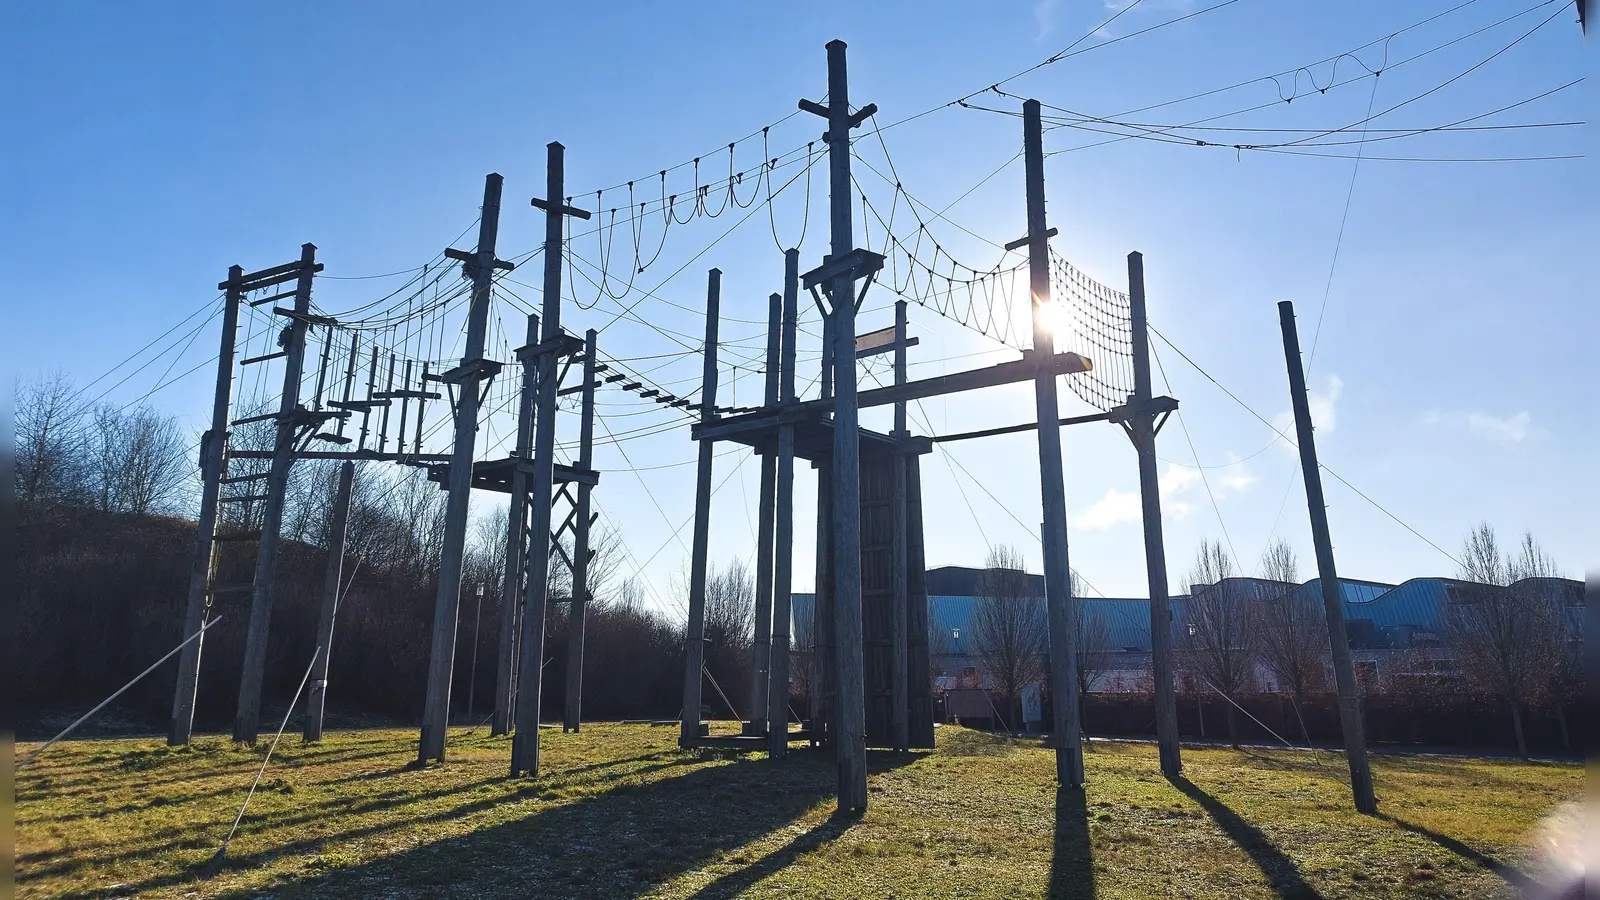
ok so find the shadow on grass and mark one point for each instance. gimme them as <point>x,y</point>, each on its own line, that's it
<point>1072,866</point>
<point>622,842</point>
<point>1510,874</point>
<point>1283,876</point>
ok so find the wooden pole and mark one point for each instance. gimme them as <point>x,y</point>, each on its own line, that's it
<point>472,665</point>
<point>694,648</point>
<point>572,712</point>
<point>899,676</point>
<point>783,524</point>
<point>516,544</point>
<point>1143,431</point>
<point>332,582</point>
<point>850,741</point>
<point>446,606</point>
<point>761,650</point>
<point>822,671</point>
<point>530,662</point>
<point>246,723</point>
<point>202,565</point>
<point>1060,604</point>
<point>1344,673</point>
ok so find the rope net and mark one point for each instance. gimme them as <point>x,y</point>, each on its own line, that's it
<point>1094,321</point>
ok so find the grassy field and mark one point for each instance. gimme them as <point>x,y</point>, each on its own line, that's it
<point>619,811</point>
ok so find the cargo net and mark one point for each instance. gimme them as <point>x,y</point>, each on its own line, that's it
<point>1093,321</point>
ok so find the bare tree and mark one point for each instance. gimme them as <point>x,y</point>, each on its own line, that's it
<point>1294,631</point>
<point>1009,631</point>
<point>49,440</point>
<point>1222,638</point>
<point>803,655</point>
<point>155,464</point>
<point>1507,628</point>
<point>729,620</point>
<point>1093,646</point>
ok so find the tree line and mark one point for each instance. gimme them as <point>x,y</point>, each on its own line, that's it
<point>104,552</point>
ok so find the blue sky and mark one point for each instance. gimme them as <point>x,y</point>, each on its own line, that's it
<point>153,145</point>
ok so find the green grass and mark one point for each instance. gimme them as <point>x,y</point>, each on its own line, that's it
<point>619,811</point>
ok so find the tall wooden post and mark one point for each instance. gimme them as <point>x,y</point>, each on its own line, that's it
<point>1143,431</point>
<point>572,712</point>
<point>850,714</point>
<point>530,664</point>
<point>1344,673</point>
<point>823,690</point>
<point>783,524</point>
<point>332,582</point>
<point>247,720</point>
<point>899,678</point>
<point>761,652</point>
<point>694,648</point>
<point>202,564</point>
<point>466,378</point>
<point>1061,605</point>
<point>505,677</point>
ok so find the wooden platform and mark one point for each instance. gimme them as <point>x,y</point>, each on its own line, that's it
<point>746,742</point>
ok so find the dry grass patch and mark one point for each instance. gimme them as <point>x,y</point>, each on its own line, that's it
<point>621,811</point>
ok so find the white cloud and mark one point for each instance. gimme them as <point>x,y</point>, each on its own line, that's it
<point>1323,405</point>
<point>1510,430</point>
<point>1237,482</point>
<point>1503,430</point>
<point>1114,508</point>
<point>1176,479</point>
<point>1044,15</point>
<point>1324,408</point>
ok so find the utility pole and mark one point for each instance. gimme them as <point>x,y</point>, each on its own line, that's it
<point>530,666</point>
<point>203,564</point>
<point>783,523</point>
<point>505,678</point>
<point>899,694</point>
<point>467,377</point>
<point>839,276</point>
<point>247,721</point>
<point>573,710</point>
<point>694,648</point>
<point>1344,673</point>
<point>1061,605</point>
<point>332,582</point>
<point>762,647</point>
<point>1142,429</point>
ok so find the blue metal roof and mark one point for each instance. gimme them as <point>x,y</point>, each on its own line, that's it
<point>1381,615</point>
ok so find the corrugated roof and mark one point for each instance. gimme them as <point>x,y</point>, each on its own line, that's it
<point>1386,614</point>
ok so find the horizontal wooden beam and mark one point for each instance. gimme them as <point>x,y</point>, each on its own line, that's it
<point>1011,429</point>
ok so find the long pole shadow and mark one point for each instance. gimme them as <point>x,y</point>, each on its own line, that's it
<point>735,884</point>
<point>1072,865</point>
<point>1510,874</point>
<point>1283,876</point>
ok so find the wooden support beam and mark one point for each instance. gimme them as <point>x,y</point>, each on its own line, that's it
<point>1061,607</point>
<point>572,714</point>
<point>761,646</point>
<point>332,582</point>
<point>473,368</point>
<point>783,525</point>
<point>202,561</point>
<point>694,640</point>
<point>516,550</point>
<point>247,717</point>
<point>1024,369</point>
<point>530,677</point>
<point>1141,427</point>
